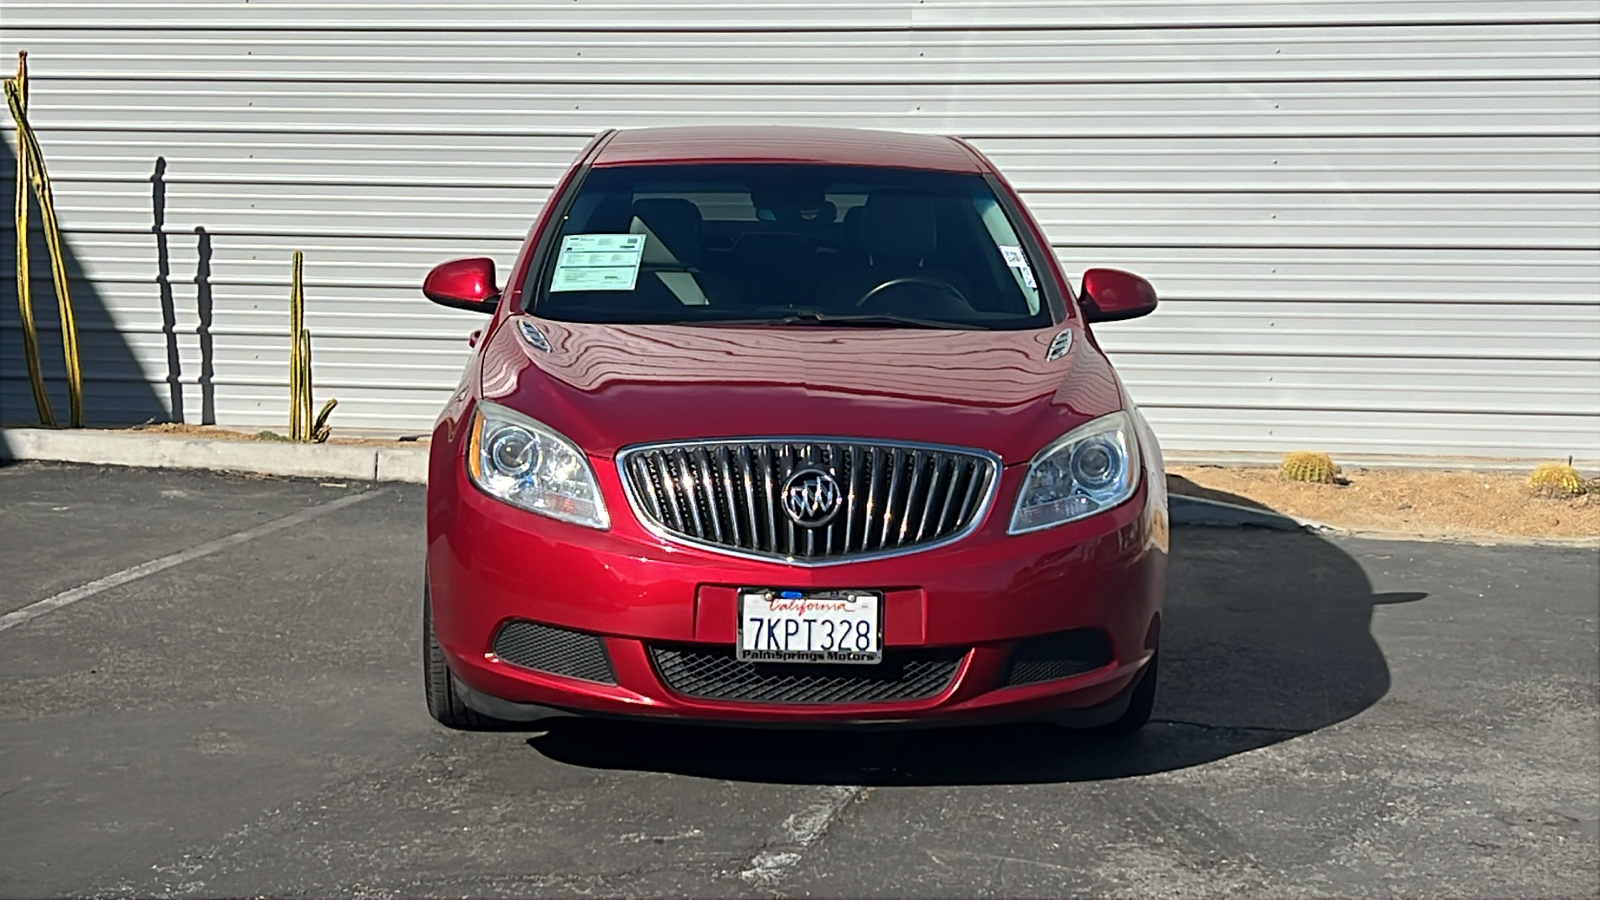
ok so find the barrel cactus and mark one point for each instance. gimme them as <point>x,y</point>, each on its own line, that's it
<point>1556,480</point>
<point>1316,468</point>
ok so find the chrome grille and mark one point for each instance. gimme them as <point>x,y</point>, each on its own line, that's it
<point>727,495</point>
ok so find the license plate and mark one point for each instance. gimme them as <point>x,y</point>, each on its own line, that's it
<point>820,627</point>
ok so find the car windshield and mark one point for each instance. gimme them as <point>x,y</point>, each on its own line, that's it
<point>792,245</point>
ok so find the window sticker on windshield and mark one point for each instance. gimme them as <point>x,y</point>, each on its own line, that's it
<point>1016,260</point>
<point>598,262</point>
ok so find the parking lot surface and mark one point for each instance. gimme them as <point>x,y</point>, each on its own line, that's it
<point>243,716</point>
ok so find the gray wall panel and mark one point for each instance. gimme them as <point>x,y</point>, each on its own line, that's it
<point>1375,223</point>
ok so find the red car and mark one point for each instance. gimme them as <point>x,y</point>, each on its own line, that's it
<point>791,426</point>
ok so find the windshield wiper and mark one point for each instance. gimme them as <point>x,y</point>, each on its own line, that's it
<point>812,317</point>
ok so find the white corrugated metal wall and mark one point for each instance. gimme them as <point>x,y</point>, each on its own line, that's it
<point>1375,224</point>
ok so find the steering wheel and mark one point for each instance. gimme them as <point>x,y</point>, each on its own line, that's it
<point>928,281</point>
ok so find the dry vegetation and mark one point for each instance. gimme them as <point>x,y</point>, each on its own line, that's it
<point>1440,503</point>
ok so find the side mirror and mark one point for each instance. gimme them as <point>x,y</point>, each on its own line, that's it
<point>1110,295</point>
<point>463,284</point>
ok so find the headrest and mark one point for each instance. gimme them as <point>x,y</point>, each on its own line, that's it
<point>850,231</point>
<point>794,204</point>
<point>674,226</point>
<point>898,226</point>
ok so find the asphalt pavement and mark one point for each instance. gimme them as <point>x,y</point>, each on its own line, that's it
<point>231,705</point>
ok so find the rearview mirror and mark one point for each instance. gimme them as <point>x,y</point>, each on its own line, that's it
<point>1110,295</point>
<point>463,284</point>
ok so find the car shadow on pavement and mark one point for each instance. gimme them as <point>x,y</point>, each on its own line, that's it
<point>1266,637</point>
<point>1179,486</point>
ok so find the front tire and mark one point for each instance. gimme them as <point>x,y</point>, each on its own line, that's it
<point>444,704</point>
<point>1140,705</point>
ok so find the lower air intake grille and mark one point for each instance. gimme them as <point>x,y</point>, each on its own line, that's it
<point>714,674</point>
<point>1060,655</point>
<point>554,650</point>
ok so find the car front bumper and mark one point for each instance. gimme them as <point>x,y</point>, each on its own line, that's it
<point>972,605</point>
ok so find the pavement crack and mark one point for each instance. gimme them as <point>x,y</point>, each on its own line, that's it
<point>1000,859</point>
<point>1209,727</point>
<point>782,851</point>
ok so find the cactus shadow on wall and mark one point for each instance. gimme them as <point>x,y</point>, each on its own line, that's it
<point>205,377</point>
<point>117,389</point>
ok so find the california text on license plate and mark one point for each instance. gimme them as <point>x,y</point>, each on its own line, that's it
<point>822,627</point>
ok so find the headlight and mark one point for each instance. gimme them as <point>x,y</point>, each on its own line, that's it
<point>524,463</point>
<point>1093,468</point>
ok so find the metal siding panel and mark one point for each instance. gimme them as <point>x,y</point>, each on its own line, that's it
<point>1026,14</point>
<point>1025,57</point>
<point>896,16</point>
<point>1373,223</point>
<point>1349,108</point>
<point>1331,165</point>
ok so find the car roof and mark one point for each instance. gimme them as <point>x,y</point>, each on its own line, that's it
<point>786,144</point>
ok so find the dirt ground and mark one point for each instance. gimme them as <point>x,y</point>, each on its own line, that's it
<point>1412,501</point>
<point>1428,502</point>
<point>224,434</point>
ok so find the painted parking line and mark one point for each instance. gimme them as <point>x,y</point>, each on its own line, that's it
<point>133,573</point>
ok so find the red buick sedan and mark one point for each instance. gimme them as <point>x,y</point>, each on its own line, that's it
<point>791,426</point>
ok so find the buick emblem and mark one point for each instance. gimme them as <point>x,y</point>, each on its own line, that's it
<point>811,498</point>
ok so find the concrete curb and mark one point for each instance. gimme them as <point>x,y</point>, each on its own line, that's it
<point>1357,461</point>
<point>154,451</point>
<point>1216,514</point>
<point>398,464</point>
<point>409,464</point>
<point>1198,513</point>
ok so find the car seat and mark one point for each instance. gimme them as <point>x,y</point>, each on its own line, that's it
<point>899,237</point>
<point>674,246</point>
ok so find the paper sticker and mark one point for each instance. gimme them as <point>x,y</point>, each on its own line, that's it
<point>598,262</point>
<point>602,243</point>
<point>1016,260</point>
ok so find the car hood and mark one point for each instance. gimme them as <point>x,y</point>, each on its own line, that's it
<point>609,386</point>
